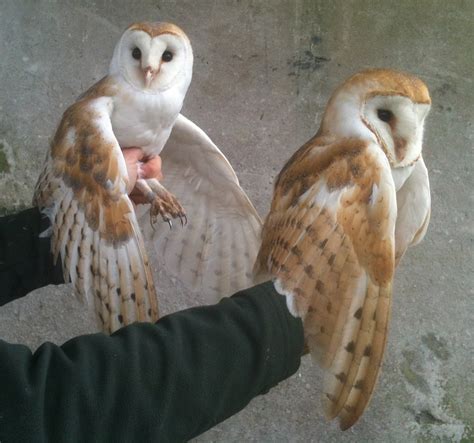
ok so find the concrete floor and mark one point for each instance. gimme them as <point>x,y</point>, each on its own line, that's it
<point>263,72</point>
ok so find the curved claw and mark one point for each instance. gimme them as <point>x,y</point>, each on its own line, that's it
<point>152,222</point>
<point>170,223</point>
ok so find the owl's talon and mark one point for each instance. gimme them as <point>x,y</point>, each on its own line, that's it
<point>185,222</point>
<point>153,219</point>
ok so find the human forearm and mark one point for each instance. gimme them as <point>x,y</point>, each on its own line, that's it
<point>169,381</point>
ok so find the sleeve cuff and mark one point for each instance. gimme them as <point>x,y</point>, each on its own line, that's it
<point>26,262</point>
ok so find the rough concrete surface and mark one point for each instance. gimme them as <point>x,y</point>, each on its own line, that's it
<point>263,72</point>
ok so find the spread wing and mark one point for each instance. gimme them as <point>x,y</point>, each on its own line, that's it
<point>414,208</point>
<point>328,242</point>
<point>214,252</point>
<point>94,228</point>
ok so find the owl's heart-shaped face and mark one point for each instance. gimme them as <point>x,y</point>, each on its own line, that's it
<point>398,124</point>
<point>383,106</point>
<point>153,57</point>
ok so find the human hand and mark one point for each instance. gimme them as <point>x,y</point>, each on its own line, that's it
<point>22,240</point>
<point>138,166</point>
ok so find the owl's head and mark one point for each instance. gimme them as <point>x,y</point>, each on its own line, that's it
<point>384,105</point>
<point>152,57</point>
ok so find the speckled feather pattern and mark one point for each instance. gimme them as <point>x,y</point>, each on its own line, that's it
<point>95,231</point>
<point>335,254</point>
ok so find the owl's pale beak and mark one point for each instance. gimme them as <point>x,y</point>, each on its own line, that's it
<point>150,74</point>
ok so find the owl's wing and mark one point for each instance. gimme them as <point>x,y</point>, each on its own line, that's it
<point>328,242</point>
<point>214,252</point>
<point>94,228</point>
<point>414,208</point>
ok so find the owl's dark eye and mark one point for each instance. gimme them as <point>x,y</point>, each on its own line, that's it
<point>385,115</point>
<point>136,54</point>
<point>167,56</point>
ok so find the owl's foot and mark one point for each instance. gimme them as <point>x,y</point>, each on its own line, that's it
<point>167,206</point>
<point>162,202</point>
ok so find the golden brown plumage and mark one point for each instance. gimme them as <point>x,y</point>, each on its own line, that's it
<point>329,240</point>
<point>95,231</point>
<point>154,29</point>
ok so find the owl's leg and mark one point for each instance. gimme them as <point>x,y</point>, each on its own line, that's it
<point>162,202</point>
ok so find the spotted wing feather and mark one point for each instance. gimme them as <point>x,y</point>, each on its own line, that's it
<point>328,242</point>
<point>213,254</point>
<point>95,232</point>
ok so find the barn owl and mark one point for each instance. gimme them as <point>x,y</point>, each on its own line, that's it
<point>346,206</point>
<point>83,186</point>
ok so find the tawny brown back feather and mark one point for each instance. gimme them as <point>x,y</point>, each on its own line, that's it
<point>329,243</point>
<point>94,228</point>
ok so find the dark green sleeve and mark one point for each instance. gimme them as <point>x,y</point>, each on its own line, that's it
<point>168,381</point>
<point>25,259</point>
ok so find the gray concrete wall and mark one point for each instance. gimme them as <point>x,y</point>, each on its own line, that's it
<point>263,72</point>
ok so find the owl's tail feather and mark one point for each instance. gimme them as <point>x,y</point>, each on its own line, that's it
<point>354,371</point>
